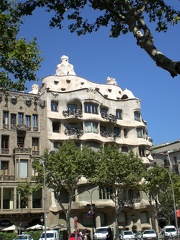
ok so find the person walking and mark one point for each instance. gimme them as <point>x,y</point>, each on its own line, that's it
<point>109,236</point>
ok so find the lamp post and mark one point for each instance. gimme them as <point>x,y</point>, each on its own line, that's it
<point>44,169</point>
<point>173,197</point>
<point>92,210</point>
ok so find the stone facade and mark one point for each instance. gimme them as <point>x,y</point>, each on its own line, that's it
<point>71,107</point>
<point>23,137</point>
<point>97,114</point>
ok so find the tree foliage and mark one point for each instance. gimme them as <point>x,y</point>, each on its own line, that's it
<point>19,59</point>
<point>25,190</point>
<point>118,171</point>
<point>120,16</point>
<point>64,169</point>
<point>159,186</point>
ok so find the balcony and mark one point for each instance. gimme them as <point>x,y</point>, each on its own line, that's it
<point>20,127</point>
<point>74,113</point>
<point>7,178</point>
<point>108,134</point>
<point>109,117</point>
<point>6,126</point>
<point>74,131</point>
<point>35,129</point>
<point>35,153</point>
<point>22,150</point>
<point>4,150</point>
<point>129,203</point>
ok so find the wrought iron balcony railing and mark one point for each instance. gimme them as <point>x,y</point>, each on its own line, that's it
<point>4,150</point>
<point>108,134</point>
<point>74,112</point>
<point>74,131</point>
<point>109,116</point>
<point>7,177</point>
<point>22,150</point>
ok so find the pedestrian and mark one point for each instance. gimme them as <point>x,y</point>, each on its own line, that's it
<point>109,236</point>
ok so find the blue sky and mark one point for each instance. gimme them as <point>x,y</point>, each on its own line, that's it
<point>96,56</point>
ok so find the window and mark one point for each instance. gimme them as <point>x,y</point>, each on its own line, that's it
<point>13,119</point>
<point>143,217</point>
<point>35,120</point>
<point>4,141</point>
<point>20,142</point>
<point>73,125</point>
<point>71,107</point>
<point>55,126</point>
<point>28,121</point>
<point>54,106</point>
<point>5,117</point>
<point>133,194</point>
<point>142,151</point>
<point>140,132</point>
<point>56,144</point>
<point>122,219</point>
<point>175,160</point>
<point>91,127</point>
<point>117,132</point>
<point>119,113</point>
<point>125,133</point>
<point>124,149</point>
<point>35,144</point>
<point>137,116</point>
<point>104,110</point>
<point>37,199</point>
<point>91,108</point>
<point>4,167</point>
<point>22,168</point>
<point>8,198</point>
<point>105,193</point>
<point>20,118</point>
<point>93,145</point>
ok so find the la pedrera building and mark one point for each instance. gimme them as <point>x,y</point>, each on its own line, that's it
<point>66,107</point>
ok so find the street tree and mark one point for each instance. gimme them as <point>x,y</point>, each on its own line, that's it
<point>24,191</point>
<point>118,172</point>
<point>120,17</point>
<point>64,168</point>
<point>159,186</point>
<point>19,59</point>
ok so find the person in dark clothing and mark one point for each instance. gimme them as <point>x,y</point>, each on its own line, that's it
<point>109,236</point>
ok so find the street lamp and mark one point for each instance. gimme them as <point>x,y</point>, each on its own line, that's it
<point>173,197</point>
<point>92,210</point>
<point>44,168</point>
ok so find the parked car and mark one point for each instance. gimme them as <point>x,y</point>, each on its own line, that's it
<point>72,236</point>
<point>23,237</point>
<point>50,235</point>
<point>126,234</point>
<point>137,235</point>
<point>101,232</point>
<point>149,234</point>
<point>169,231</point>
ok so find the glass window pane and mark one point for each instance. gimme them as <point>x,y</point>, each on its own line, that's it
<point>23,169</point>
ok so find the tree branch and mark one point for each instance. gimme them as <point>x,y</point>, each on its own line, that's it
<point>145,40</point>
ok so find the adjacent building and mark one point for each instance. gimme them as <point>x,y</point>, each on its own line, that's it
<point>70,107</point>
<point>167,155</point>
<point>23,137</point>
